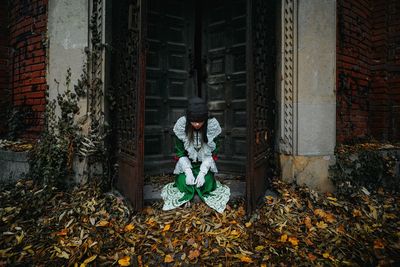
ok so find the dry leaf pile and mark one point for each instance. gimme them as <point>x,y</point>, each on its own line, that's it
<point>84,227</point>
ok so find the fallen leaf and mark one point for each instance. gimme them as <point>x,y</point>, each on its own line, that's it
<point>63,232</point>
<point>321,225</point>
<point>102,223</point>
<point>326,255</point>
<point>168,258</point>
<point>311,256</point>
<point>320,213</point>
<point>246,259</point>
<point>125,261</point>
<point>307,222</point>
<point>356,213</point>
<point>378,244</point>
<point>283,238</point>
<point>329,217</point>
<point>259,248</point>
<point>166,227</point>
<point>193,254</point>
<point>293,240</point>
<point>129,227</point>
<point>248,224</point>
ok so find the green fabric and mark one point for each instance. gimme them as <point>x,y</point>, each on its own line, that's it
<point>180,179</point>
<point>189,190</point>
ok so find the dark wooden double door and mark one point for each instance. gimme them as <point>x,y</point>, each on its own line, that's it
<point>165,51</point>
<point>195,48</point>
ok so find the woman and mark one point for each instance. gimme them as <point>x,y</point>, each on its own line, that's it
<point>196,147</point>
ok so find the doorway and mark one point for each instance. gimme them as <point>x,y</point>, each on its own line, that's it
<point>195,48</point>
<point>164,52</point>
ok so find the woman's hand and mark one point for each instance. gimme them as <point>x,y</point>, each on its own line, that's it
<point>189,177</point>
<point>200,179</point>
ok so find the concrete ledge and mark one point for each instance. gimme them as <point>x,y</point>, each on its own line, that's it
<point>13,165</point>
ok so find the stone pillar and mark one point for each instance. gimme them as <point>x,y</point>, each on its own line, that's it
<point>68,37</point>
<point>68,26</point>
<point>306,91</point>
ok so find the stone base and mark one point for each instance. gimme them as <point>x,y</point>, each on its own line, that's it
<point>312,171</point>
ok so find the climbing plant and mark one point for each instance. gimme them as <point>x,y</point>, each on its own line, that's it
<point>72,137</point>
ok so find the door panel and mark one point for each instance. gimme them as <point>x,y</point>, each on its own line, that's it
<point>225,88</point>
<point>128,78</point>
<point>261,95</point>
<point>169,84</point>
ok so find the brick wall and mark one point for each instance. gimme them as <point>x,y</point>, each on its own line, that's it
<point>353,68</point>
<point>368,53</point>
<point>27,39</point>
<point>385,94</point>
<point>4,67</point>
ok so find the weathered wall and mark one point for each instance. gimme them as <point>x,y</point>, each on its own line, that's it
<point>4,66</point>
<point>306,90</point>
<point>27,40</point>
<point>368,70</point>
<point>385,68</point>
<point>354,24</point>
<point>68,28</point>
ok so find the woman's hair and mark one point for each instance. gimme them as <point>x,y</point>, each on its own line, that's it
<point>189,131</point>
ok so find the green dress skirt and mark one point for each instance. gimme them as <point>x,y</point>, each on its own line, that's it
<point>177,193</point>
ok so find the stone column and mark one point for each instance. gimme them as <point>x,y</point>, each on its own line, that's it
<point>306,91</point>
<point>68,37</point>
<point>68,26</point>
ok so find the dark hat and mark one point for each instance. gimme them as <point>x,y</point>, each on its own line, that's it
<point>197,110</point>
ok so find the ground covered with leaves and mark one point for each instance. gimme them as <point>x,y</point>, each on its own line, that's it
<point>85,227</point>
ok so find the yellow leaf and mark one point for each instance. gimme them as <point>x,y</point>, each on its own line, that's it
<point>19,238</point>
<point>326,255</point>
<point>102,223</point>
<point>125,261</point>
<point>321,225</point>
<point>129,227</point>
<point>168,258</point>
<point>90,259</point>
<point>283,238</point>
<point>248,224</point>
<point>246,259</point>
<point>166,227</point>
<point>293,240</point>
<point>235,233</point>
<point>319,213</point>
<point>259,248</point>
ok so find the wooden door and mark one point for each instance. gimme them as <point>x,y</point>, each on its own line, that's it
<point>260,98</point>
<point>225,87</point>
<point>169,82</point>
<point>128,77</point>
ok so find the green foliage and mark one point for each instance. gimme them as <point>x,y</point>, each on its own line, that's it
<point>51,158</point>
<point>16,121</point>
<point>360,167</point>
